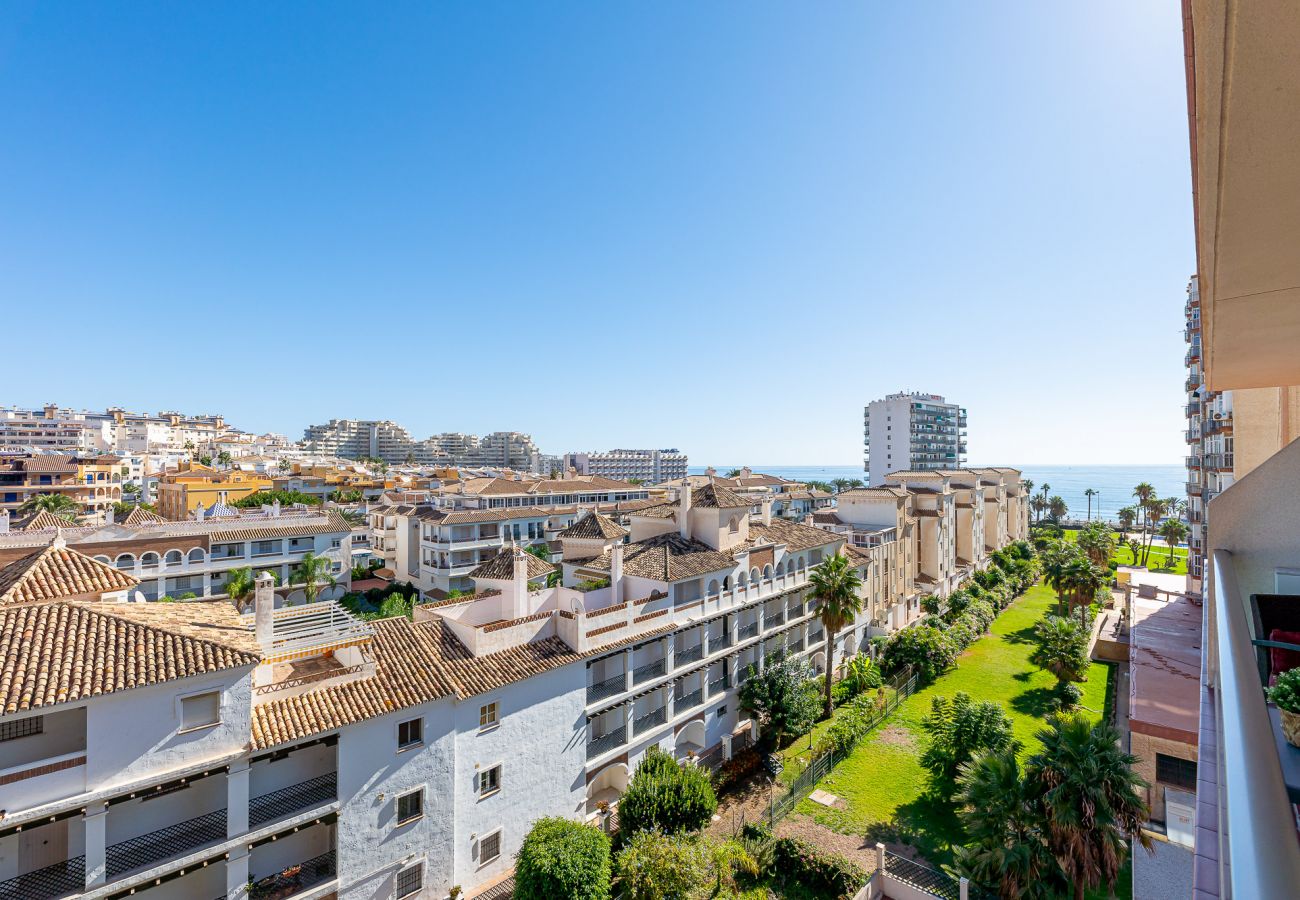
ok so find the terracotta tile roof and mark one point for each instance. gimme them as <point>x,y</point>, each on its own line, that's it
<point>56,652</point>
<point>473,675</point>
<point>874,493</point>
<point>595,526</point>
<point>794,535</point>
<point>713,496</point>
<point>666,557</point>
<point>502,566</point>
<point>917,475</point>
<point>57,573</point>
<point>858,555</point>
<point>660,511</point>
<point>828,517</point>
<point>142,516</point>
<point>46,519</point>
<point>50,462</point>
<point>288,528</point>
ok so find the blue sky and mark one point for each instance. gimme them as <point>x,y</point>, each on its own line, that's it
<point>720,227</point>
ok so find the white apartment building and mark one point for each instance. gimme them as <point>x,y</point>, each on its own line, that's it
<point>111,431</point>
<point>912,432</point>
<point>50,428</point>
<point>648,466</point>
<point>356,438</point>
<point>502,449</point>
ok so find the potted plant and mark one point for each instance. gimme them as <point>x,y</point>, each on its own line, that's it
<point>1285,695</point>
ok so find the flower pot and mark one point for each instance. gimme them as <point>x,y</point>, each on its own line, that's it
<point>1291,727</point>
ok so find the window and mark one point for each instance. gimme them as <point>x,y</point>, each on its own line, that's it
<point>1178,772</point>
<point>200,711</point>
<point>489,848</point>
<point>410,880</point>
<point>410,733</point>
<point>22,728</point>
<point>489,781</point>
<point>410,806</point>
<point>487,715</point>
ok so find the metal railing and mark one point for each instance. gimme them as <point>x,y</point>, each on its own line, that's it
<point>607,688</point>
<point>165,843</point>
<point>1257,833</point>
<point>650,720</point>
<point>648,671</point>
<point>59,880</point>
<point>290,881</point>
<point>718,685</point>
<point>687,701</point>
<point>694,654</point>
<point>607,741</point>
<point>294,798</point>
<point>914,874</point>
<point>772,621</point>
<point>719,643</point>
<point>747,631</point>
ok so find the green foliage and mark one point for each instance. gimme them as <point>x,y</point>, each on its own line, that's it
<point>779,696</point>
<point>189,595</point>
<point>835,586</point>
<point>1097,541</point>
<point>861,674</point>
<point>59,504</point>
<point>346,496</point>
<point>1285,692</point>
<point>310,573</point>
<point>959,729</point>
<point>656,866</point>
<point>563,858</point>
<point>666,796</point>
<point>240,584</point>
<point>266,498</point>
<point>1068,695</point>
<point>852,722</point>
<point>395,605</point>
<point>925,648</point>
<point>822,874</point>
<point>931,604</point>
<point>594,584</point>
<point>1062,648</point>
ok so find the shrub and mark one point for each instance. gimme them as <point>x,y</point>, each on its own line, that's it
<point>739,768</point>
<point>928,650</point>
<point>957,603</point>
<point>931,604</point>
<point>1062,648</point>
<point>959,729</point>
<point>562,858</point>
<point>1068,695</point>
<point>861,674</point>
<point>782,696</point>
<point>820,874</point>
<point>982,611</point>
<point>656,866</point>
<point>666,796</point>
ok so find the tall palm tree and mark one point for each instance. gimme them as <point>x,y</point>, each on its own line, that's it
<point>1057,556</point>
<point>841,484</point>
<point>1028,485</point>
<point>1127,517</point>
<point>1038,504</point>
<point>1006,841</point>
<point>1144,492</point>
<point>1157,509</point>
<point>1090,493</point>
<point>1091,797</point>
<point>835,585</point>
<point>59,504</point>
<point>310,573</point>
<point>1174,532</point>
<point>1082,580</point>
<point>1057,509</point>
<point>1062,649</point>
<point>240,585</point>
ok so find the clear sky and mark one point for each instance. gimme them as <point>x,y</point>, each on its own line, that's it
<point>719,227</point>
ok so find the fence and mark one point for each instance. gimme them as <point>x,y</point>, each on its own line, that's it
<point>903,686</point>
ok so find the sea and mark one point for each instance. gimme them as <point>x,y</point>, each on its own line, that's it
<point>1114,484</point>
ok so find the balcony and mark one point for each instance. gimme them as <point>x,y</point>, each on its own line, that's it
<point>59,880</point>
<point>1192,435</point>
<point>642,724</point>
<point>165,843</point>
<point>609,687</point>
<point>1193,462</point>
<point>649,671</point>
<point>686,657</point>
<point>295,879</point>
<point>747,631</point>
<point>774,620</point>
<point>606,742</point>
<point>43,780</point>
<point>689,701</point>
<point>719,642</point>
<point>293,799</point>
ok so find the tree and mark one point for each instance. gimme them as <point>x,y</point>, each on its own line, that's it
<point>959,729</point>
<point>1062,649</point>
<point>542,552</point>
<point>1057,556</point>
<point>824,486</point>
<point>1006,841</point>
<point>1057,509</point>
<point>284,465</point>
<point>224,458</point>
<point>733,473</point>
<point>1082,580</point>
<point>840,484</point>
<point>1098,542</point>
<point>563,858</point>
<point>1091,799</point>
<point>1157,509</point>
<point>1127,517</point>
<point>1143,493</point>
<point>666,796</point>
<point>1029,485</point>
<point>1038,504</point>
<point>130,489</point>
<point>1174,532</point>
<point>311,572</point>
<point>779,697</point>
<point>657,866</point>
<point>1135,548</point>
<point>1090,493</point>
<point>835,586</point>
<point>266,498</point>
<point>59,504</point>
<point>240,584</point>
<point>927,649</point>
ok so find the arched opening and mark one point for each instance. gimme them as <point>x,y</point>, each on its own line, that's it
<point>606,787</point>
<point>124,561</point>
<point>767,571</point>
<point>713,586</point>
<point>819,662</point>
<point>754,574</point>
<point>104,559</point>
<point>173,558</point>
<point>196,555</point>
<point>734,525</point>
<point>690,740</point>
<point>149,560</point>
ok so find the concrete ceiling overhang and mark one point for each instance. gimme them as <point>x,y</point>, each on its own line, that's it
<point>1244,77</point>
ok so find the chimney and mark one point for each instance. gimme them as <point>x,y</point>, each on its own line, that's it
<point>108,515</point>
<point>4,521</point>
<point>767,510</point>
<point>616,573</point>
<point>275,508</point>
<point>198,513</point>
<point>684,509</point>
<point>808,519</point>
<point>746,472</point>
<point>264,609</point>
<point>519,584</point>
<point>711,472</point>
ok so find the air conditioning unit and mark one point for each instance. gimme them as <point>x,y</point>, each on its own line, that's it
<point>1218,416</point>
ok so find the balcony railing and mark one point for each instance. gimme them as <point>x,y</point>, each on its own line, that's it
<point>296,878</point>
<point>718,685</point>
<point>772,621</point>
<point>719,642</point>
<point>606,742</point>
<point>607,688</point>
<point>165,843</point>
<point>694,654</point>
<point>651,670</point>
<point>1193,462</point>
<point>688,701</point>
<point>59,880</point>
<point>747,631</point>
<point>1257,830</point>
<point>644,723</point>
<point>295,798</point>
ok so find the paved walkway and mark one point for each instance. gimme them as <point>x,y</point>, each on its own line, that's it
<point>1165,876</point>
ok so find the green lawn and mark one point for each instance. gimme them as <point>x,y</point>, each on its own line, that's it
<point>882,782</point>
<point>1157,561</point>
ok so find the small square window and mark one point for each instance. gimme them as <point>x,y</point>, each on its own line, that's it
<point>487,715</point>
<point>489,848</point>
<point>410,806</point>
<point>410,733</point>
<point>200,711</point>
<point>489,781</point>
<point>722,710</point>
<point>410,881</point>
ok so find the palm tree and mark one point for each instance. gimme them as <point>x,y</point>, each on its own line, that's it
<point>240,584</point>
<point>1098,542</point>
<point>1143,492</point>
<point>1127,516</point>
<point>1029,485</point>
<point>1157,509</point>
<point>841,484</point>
<point>1083,579</point>
<point>1174,532</point>
<point>310,573</point>
<point>1057,509</point>
<point>1006,842</point>
<point>224,458</point>
<point>1091,798</point>
<point>1057,556</point>
<point>1062,649</point>
<point>60,504</point>
<point>1090,493</point>
<point>1038,503</point>
<point>835,585</point>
